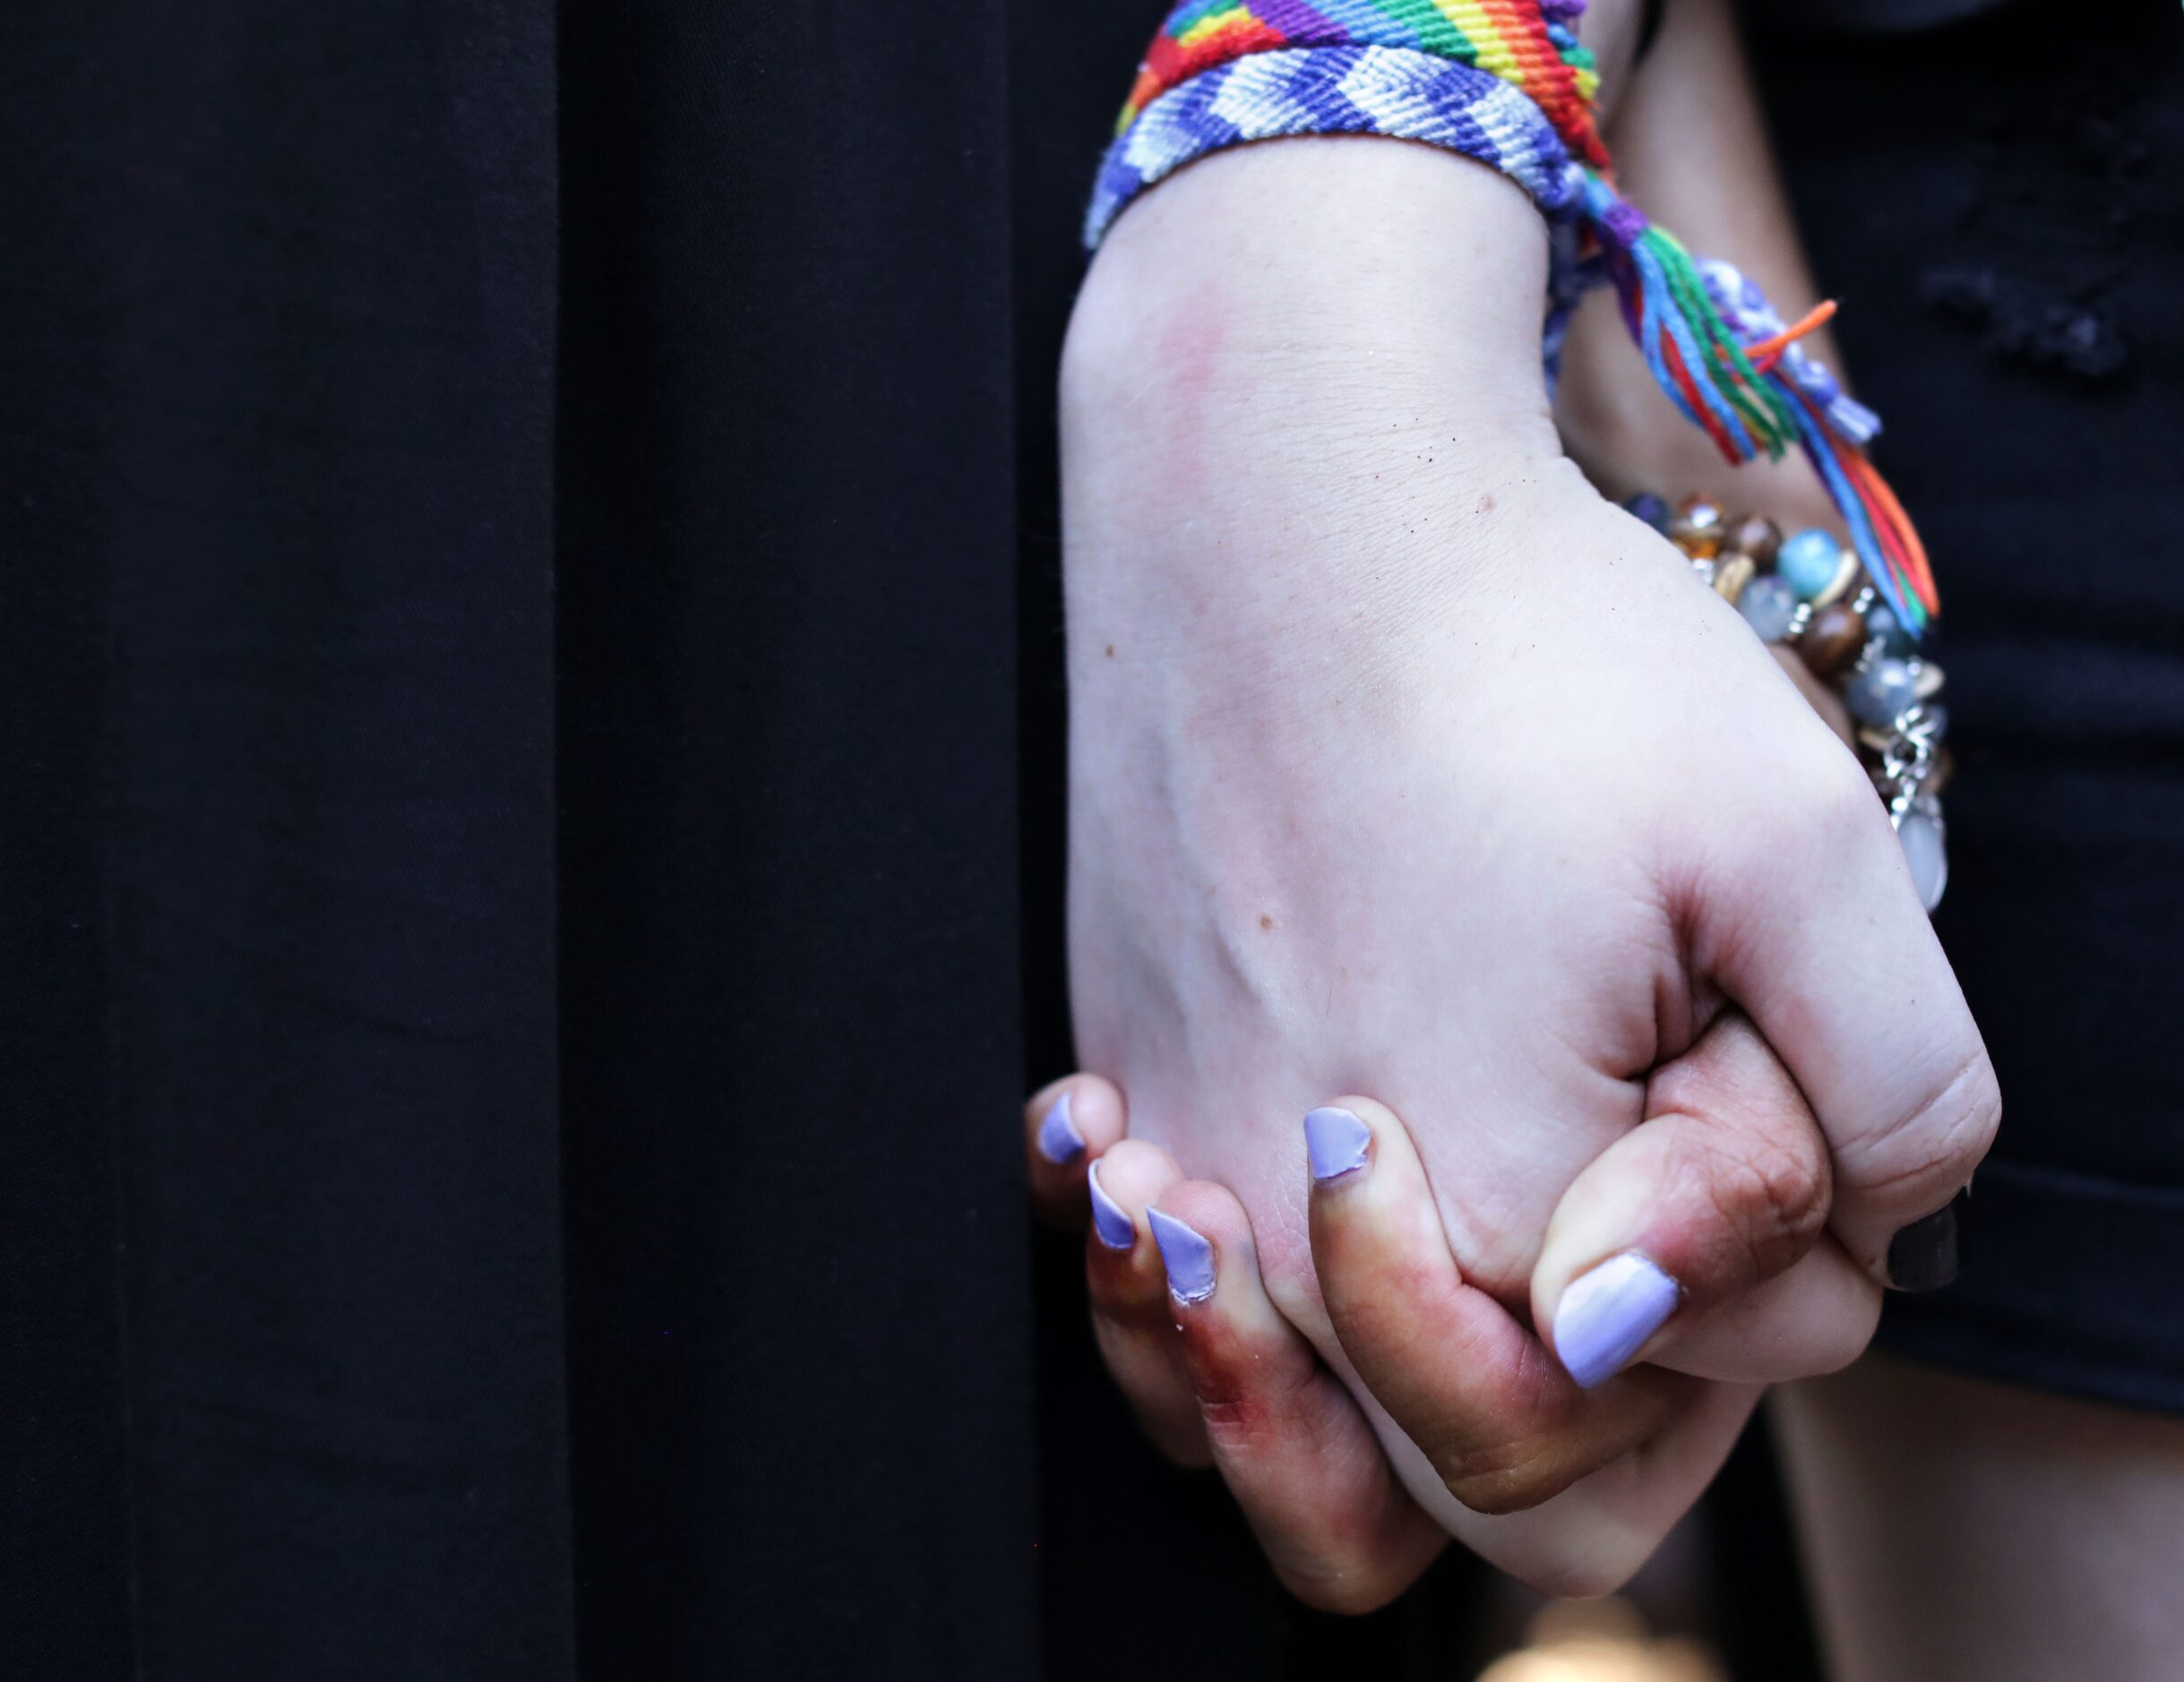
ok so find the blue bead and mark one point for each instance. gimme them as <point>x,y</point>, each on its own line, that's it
<point>1649,508</point>
<point>1768,606</point>
<point>1877,695</point>
<point>1808,561</point>
<point>1881,621</point>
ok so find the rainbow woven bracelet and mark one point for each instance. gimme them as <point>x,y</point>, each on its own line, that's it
<point>1505,82</point>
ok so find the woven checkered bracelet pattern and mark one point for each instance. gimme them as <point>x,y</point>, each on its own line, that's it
<point>1388,90</point>
<point>1506,84</point>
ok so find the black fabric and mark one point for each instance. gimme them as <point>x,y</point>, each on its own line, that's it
<point>1869,17</point>
<point>278,533</point>
<point>64,1511</point>
<point>369,908</point>
<point>799,1284</point>
<point>2005,228</point>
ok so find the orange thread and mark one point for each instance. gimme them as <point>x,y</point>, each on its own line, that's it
<point>1765,353</point>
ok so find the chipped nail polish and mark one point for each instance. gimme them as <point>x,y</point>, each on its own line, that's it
<point>1336,1142</point>
<point>1186,1255</point>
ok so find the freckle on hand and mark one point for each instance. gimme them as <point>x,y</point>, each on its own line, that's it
<point>1266,920</point>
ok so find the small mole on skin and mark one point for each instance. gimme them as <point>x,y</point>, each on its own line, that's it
<point>1265,920</point>
<point>1110,651</point>
<point>1486,503</point>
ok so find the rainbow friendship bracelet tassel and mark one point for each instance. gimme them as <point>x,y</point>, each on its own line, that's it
<point>1505,82</point>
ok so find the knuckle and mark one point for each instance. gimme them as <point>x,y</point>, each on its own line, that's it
<point>1933,1146</point>
<point>1771,1198</point>
<point>1252,1415</point>
<point>1973,1134</point>
<point>1524,1457</point>
<point>1508,1476</point>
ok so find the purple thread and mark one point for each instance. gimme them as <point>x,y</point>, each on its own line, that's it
<point>1293,18</point>
<point>1625,221</point>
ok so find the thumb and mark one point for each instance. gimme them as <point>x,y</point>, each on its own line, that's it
<point>1725,1186</point>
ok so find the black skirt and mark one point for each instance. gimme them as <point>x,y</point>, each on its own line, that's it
<point>2000,206</point>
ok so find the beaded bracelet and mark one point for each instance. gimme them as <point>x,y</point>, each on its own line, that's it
<point>1807,593</point>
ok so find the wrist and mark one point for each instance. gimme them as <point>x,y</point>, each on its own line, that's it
<point>1616,425</point>
<point>1298,380</point>
<point>1333,266</point>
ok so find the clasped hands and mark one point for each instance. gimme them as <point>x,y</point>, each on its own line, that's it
<point>1516,1040</point>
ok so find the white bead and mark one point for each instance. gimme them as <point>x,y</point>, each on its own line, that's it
<point>1926,851</point>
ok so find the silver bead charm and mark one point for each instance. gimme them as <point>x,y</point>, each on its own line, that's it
<point>1926,845</point>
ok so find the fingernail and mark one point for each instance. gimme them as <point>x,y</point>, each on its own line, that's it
<point>1116,1230</point>
<point>1335,1142</point>
<point>1187,1255</point>
<point>1059,1141</point>
<point>1606,1314</point>
<point>1929,1254</point>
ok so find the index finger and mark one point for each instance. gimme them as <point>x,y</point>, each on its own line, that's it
<point>1503,1425</point>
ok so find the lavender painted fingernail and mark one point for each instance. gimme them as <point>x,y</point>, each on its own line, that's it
<point>1116,1230</point>
<point>1060,1142</point>
<point>1335,1142</point>
<point>1606,1314</point>
<point>1186,1255</point>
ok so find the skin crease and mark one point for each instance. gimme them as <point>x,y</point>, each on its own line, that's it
<point>1358,658</point>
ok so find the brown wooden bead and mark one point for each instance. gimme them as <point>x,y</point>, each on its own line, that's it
<point>1697,527</point>
<point>1833,639</point>
<point>1756,535</point>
